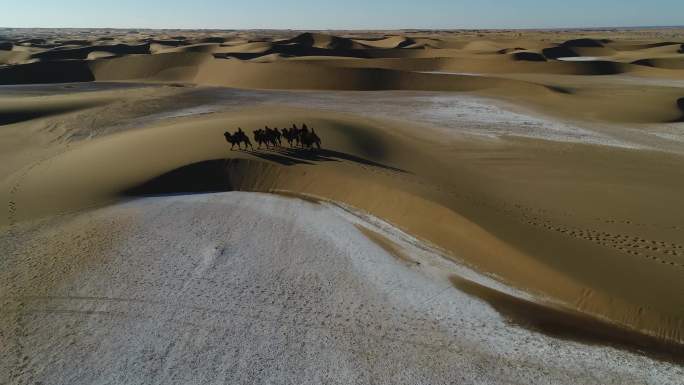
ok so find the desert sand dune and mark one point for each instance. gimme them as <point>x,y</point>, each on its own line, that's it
<point>323,41</point>
<point>395,42</point>
<point>510,202</point>
<point>666,63</point>
<point>363,149</point>
<point>69,53</point>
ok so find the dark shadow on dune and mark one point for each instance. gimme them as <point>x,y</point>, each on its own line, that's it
<point>238,55</point>
<point>166,42</point>
<point>670,63</point>
<point>306,155</point>
<point>74,42</point>
<point>213,39</point>
<point>556,52</point>
<point>306,44</point>
<point>68,71</point>
<point>510,50</point>
<point>304,197</point>
<point>16,117</point>
<point>593,67</point>
<point>325,155</point>
<point>290,156</point>
<point>273,157</point>
<point>528,56</point>
<point>560,90</point>
<point>295,50</point>
<point>585,43</point>
<point>571,325</point>
<point>405,43</point>
<point>83,52</point>
<point>636,47</point>
<point>32,41</point>
<point>201,177</point>
<point>680,105</point>
<point>644,62</point>
<point>215,175</point>
<point>309,39</point>
<point>599,67</point>
<point>22,116</point>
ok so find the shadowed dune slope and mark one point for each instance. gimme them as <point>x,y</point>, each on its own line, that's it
<point>392,42</point>
<point>666,63</point>
<point>47,72</point>
<point>83,52</point>
<point>323,41</point>
<point>160,67</point>
<point>14,112</point>
<point>293,75</point>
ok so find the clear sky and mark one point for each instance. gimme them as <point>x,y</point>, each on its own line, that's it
<point>340,14</point>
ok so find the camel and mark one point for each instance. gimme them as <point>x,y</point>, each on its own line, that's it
<point>231,139</point>
<point>309,139</point>
<point>291,135</point>
<point>238,138</point>
<point>243,138</point>
<point>276,136</point>
<point>271,137</point>
<point>261,137</point>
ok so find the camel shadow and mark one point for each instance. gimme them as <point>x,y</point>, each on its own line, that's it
<point>277,158</point>
<point>287,155</point>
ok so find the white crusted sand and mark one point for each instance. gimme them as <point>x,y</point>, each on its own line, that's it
<point>451,114</point>
<point>581,58</point>
<point>255,288</point>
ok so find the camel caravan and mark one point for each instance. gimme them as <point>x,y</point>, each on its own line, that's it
<point>273,137</point>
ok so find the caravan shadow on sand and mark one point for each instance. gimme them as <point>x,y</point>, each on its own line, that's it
<point>294,156</point>
<point>277,158</point>
<point>325,155</point>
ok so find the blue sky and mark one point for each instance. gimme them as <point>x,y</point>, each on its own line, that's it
<point>341,14</point>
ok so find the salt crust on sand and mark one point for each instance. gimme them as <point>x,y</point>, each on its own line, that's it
<point>255,288</point>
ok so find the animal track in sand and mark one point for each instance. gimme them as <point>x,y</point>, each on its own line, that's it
<point>16,187</point>
<point>637,224</point>
<point>653,250</point>
<point>12,202</point>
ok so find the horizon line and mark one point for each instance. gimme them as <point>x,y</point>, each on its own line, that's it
<point>586,28</point>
